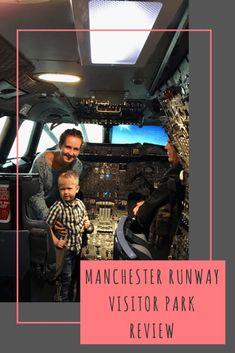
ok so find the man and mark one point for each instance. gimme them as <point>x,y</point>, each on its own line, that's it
<point>158,216</point>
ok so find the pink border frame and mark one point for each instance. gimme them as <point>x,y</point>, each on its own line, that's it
<point>18,31</point>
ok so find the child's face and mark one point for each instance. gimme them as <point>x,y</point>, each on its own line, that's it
<point>68,188</point>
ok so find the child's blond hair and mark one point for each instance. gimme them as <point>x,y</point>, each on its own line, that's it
<point>68,175</point>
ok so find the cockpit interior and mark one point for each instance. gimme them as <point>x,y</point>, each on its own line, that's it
<point>127,104</point>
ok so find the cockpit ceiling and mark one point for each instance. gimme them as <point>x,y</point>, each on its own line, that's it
<point>66,51</point>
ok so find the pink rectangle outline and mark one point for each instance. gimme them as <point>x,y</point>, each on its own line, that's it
<point>18,322</point>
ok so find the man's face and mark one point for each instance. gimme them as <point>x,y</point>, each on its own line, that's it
<point>172,154</point>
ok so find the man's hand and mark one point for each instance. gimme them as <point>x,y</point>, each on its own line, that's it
<point>136,208</point>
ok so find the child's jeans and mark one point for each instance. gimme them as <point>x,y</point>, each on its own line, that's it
<point>66,275</point>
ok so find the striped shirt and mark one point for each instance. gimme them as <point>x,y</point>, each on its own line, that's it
<point>72,216</point>
<point>38,205</point>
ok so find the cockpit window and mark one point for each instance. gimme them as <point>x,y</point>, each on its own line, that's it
<point>144,134</point>
<point>2,123</point>
<point>24,134</point>
<point>50,136</point>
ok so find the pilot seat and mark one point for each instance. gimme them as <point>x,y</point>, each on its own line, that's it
<point>37,262</point>
<point>129,245</point>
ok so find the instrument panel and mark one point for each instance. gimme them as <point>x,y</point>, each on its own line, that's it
<point>106,182</point>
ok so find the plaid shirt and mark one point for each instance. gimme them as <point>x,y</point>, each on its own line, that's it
<point>72,216</point>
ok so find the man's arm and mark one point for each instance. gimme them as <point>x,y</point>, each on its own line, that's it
<point>146,210</point>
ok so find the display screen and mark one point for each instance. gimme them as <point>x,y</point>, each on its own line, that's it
<point>144,134</point>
